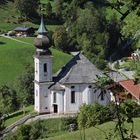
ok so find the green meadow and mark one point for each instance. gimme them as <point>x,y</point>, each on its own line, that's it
<point>96,133</point>
<point>14,56</point>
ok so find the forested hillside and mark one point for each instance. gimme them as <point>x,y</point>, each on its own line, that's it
<point>101,28</point>
<point>104,30</point>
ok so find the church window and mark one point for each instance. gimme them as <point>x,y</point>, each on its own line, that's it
<point>89,86</point>
<point>54,97</point>
<point>72,96</point>
<point>72,87</point>
<point>45,67</point>
<point>102,95</point>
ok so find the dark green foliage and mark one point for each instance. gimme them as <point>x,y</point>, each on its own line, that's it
<point>1,124</point>
<point>25,87</point>
<point>89,31</point>
<point>79,3</point>
<point>125,112</point>
<point>27,8</point>
<point>59,9</point>
<point>37,130</point>
<point>61,40</point>
<point>91,115</point>
<point>28,132</point>
<point>48,10</point>
<point>130,109</point>
<point>24,132</point>
<point>8,100</point>
<point>68,121</point>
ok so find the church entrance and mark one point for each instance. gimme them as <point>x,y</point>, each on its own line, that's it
<point>55,108</point>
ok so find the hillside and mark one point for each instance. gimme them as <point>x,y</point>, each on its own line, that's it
<point>10,21</point>
<point>98,133</point>
<point>14,56</point>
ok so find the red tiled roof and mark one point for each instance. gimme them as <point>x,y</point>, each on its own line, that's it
<point>131,87</point>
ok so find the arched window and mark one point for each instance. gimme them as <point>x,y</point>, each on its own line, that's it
<point>72,87</point>
<point>89,86</point>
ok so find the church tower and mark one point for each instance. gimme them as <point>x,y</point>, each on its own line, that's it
<point>43,70</point>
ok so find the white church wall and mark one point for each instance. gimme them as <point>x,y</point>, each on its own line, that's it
<point>40,75</point>
<point>60,96</point>
<point>73,107</point>
<point>36,67</point>
<point>59,101</point>
<point>42,98</point>
<point>36,97</point>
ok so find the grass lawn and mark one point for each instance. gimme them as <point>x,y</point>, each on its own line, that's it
<point>18,115</point>
<point>54,127</point>
<point>14,56</point>
<point>94,133</point>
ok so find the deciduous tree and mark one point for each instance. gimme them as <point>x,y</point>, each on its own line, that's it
<point>8,100</point>
<point>25,87</point>
<point>27,8</point>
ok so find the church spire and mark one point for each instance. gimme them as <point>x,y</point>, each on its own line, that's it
<point>43,40</point>
<point>42,28</point>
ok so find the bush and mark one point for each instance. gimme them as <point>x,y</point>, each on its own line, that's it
<point>91,115</point>
<point>23,132</point>
<point>37,130</point>
<point>32,131</point>
<point>130,108</point>
<point>67,122</point>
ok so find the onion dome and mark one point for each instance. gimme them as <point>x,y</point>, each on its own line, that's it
<point>42,41</point>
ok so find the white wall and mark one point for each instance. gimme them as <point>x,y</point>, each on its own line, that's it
<point>59,101</point>
<point>73,107</point>
<point>39,62</point>
<point>42,82</point>
<point>42,99</point>
<point>84,94</point>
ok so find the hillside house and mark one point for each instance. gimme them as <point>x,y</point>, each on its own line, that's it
<point>24,31</point>
<point>125,87</point>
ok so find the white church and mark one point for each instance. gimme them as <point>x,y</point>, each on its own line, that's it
<point>71,87</point>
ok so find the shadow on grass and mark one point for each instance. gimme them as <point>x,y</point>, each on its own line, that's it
<point>2,43</point>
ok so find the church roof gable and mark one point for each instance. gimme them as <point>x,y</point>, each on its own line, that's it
<point>78,70</point>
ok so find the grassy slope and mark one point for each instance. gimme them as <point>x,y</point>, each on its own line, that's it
<point>17,116</point>
<point>14,56</point>
<point>94,133</point>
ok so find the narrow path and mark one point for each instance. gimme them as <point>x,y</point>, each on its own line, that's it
<point>23,42</point>
<point>29,118</point>
<point>49,116</point>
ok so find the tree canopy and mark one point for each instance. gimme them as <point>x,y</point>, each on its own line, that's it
<point>27,8</point>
